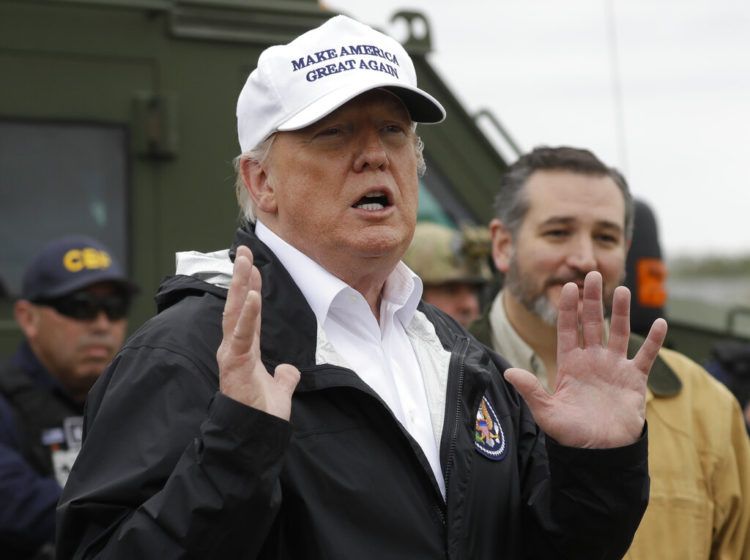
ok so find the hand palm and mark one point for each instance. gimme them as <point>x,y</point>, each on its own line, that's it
<point>599,401</point>
<point>242,375</point>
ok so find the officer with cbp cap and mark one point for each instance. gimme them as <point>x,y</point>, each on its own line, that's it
<point>72,312</point>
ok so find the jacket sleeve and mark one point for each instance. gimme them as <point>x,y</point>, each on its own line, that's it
<point>577,503</point>
<point>590,504</point>
<point>27,515</point>
<point>170,468</point>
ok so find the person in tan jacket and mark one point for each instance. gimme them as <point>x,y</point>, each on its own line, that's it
<point>562,213</point>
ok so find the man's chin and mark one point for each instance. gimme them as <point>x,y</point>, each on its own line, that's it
<point>547,314</point>
<point>377,235</point>
<point>545,307</point>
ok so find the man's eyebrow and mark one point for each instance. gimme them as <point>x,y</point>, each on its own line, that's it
<point>558,220</point>
<point>569,220</point>
<point>609,225</point>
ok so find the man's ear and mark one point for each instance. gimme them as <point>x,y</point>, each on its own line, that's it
<point>258,185</point>
<point>502,245</point>
<point>27,317</point>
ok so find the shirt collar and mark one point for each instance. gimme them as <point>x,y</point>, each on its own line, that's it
<point>403,289</point>
<point>513,347</point>
<point>319,286</point>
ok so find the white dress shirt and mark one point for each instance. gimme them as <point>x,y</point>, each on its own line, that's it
<point>400,357</point>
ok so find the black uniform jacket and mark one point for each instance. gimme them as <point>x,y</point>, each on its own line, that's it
<point>171,468</point>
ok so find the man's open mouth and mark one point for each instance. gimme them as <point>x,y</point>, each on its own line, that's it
<point>376,200</point>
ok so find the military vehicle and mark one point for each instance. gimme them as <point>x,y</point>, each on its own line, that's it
<point>117,121</point>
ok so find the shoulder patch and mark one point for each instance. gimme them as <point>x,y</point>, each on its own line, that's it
<point>489,437</point>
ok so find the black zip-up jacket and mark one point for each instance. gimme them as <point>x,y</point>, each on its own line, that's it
<point>171,468</point>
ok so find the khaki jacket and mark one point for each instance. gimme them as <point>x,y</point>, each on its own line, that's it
<point>699,461</point>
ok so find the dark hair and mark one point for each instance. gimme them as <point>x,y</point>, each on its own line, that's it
<point>511,203</point>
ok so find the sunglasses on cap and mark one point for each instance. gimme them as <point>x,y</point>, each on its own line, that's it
<point>86,306</point>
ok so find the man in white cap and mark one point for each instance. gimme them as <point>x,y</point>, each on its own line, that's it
<point>345,419</point>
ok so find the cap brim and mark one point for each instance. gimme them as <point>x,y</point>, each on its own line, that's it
<point>422,107</point>
<point>81,283</point>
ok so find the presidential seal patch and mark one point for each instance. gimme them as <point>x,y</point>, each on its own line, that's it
<point>489,437</point>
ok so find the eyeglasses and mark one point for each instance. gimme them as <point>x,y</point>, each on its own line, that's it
<point>86,306</point>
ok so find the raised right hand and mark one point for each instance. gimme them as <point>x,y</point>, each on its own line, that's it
<point>242,375</point>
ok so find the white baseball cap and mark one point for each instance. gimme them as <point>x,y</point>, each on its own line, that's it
<point>297,84</point>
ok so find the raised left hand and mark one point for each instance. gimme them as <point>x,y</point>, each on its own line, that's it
<point>242,375</point>
<point>600,398</point>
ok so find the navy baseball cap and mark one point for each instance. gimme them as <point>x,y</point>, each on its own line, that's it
<point>69,264</point>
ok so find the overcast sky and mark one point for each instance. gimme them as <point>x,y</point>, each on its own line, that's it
<point>550,71</point>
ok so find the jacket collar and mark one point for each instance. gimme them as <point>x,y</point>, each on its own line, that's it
<point>662,381</point>
<point>288,325</point>
<point>286,316</point>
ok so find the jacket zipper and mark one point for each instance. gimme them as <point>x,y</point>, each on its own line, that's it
<point>460,354</point>
<point>459,394</point>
